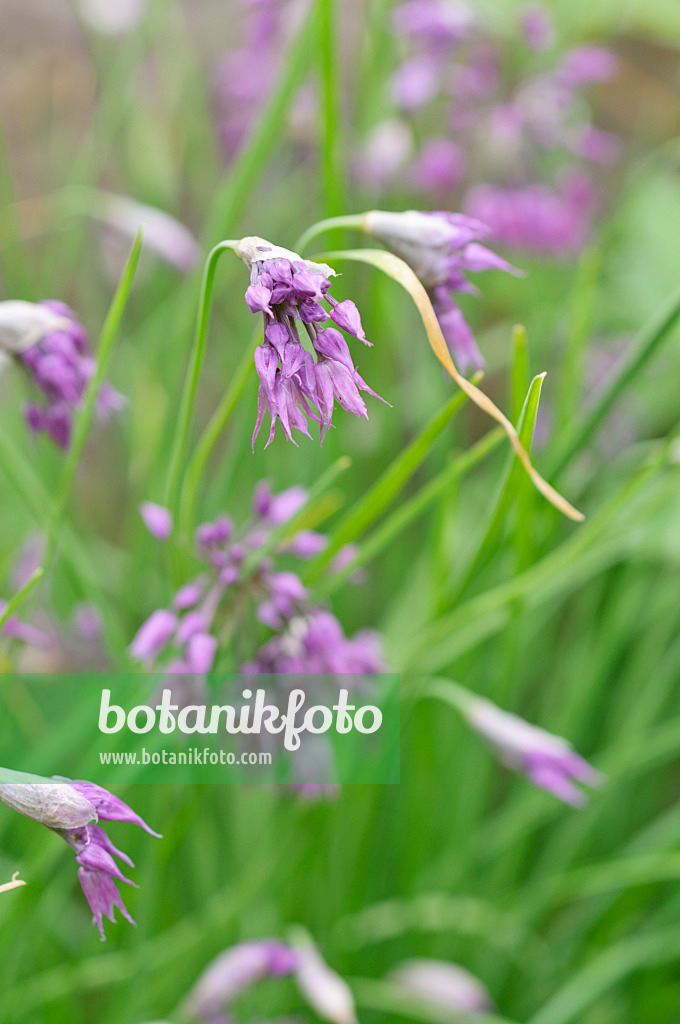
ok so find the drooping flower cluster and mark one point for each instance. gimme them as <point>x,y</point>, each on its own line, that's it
<point>184,637</point>
<point>549,761</point>
<point>72,809</point>
<point>53,347</point>
<point>521,142</point>
<point>297,382</point>
<point>243,965</point>
<point>441,248</point>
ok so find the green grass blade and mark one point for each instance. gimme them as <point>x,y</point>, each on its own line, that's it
<point>645,346</point>
<point>86,414</point>
<point>410,510</point>
<point>367,509</point>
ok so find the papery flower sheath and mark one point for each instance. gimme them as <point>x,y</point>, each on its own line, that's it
<point>71,809</point>
<point>297,382</point>
<point>441,248</point>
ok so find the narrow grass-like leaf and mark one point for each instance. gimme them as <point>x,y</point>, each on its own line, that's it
<point>377,498</point>
<point>451,634</point>
<point>86,414</point>
<point>508,489</point>
<point>23,592</point>
<point>520,370</point>
<point>332,119</point>
<point>578,333</point>
<point>409,511</point>
<point>402,273</point>
<point>646,344</point>
<point>590,983</point>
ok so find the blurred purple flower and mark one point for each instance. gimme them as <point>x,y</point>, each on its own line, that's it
<point>537,26</point>
<point>247,963</point>
<point>549,761</point>
<point>307,638</point>
<point>61,364</point>
<point>157,519</point>
<point>586,65</point>
<point>234,971</point>
<point>536,217</point>
<point>443,984</point>
<point>284,288</point>
<point>439,167</point>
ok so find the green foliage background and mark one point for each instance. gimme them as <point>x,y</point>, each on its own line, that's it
<point>566,916</point>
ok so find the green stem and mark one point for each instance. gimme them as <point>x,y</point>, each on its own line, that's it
<point>331,88</point>
<point>194,372</point>
<point>210,436</point>
<point>350,220</point>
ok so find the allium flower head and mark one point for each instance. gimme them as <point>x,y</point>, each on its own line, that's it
<point>53,347</point>
<point>549,761</point>
<point>235,970</point>
<point>298,382</point>
<point>444,984</point>
<point>536,217</point>
<point>243,965</point>
<point>441,248</point>
<point>182,638</point>
<point>71,809</point>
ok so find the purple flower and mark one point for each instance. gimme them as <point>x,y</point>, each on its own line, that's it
<point>247,74</point>
<point>235,970</point>
<point>154,635</point>
<point>586,65</point>
<point>61,364</point>
<point>306,638</point>
<point>435,22</point>
<point>294,385</point>
<point>415,83</point>
<point>69,809</point>
<point>243,965</point>
<point>440,166</point>
<point>549,761</point>
<point>447,985</point>
<point>440,248</point>
<point>535,217</point>
<point>157,519</point>
<point>537,26</point>
<point>23,631</point>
